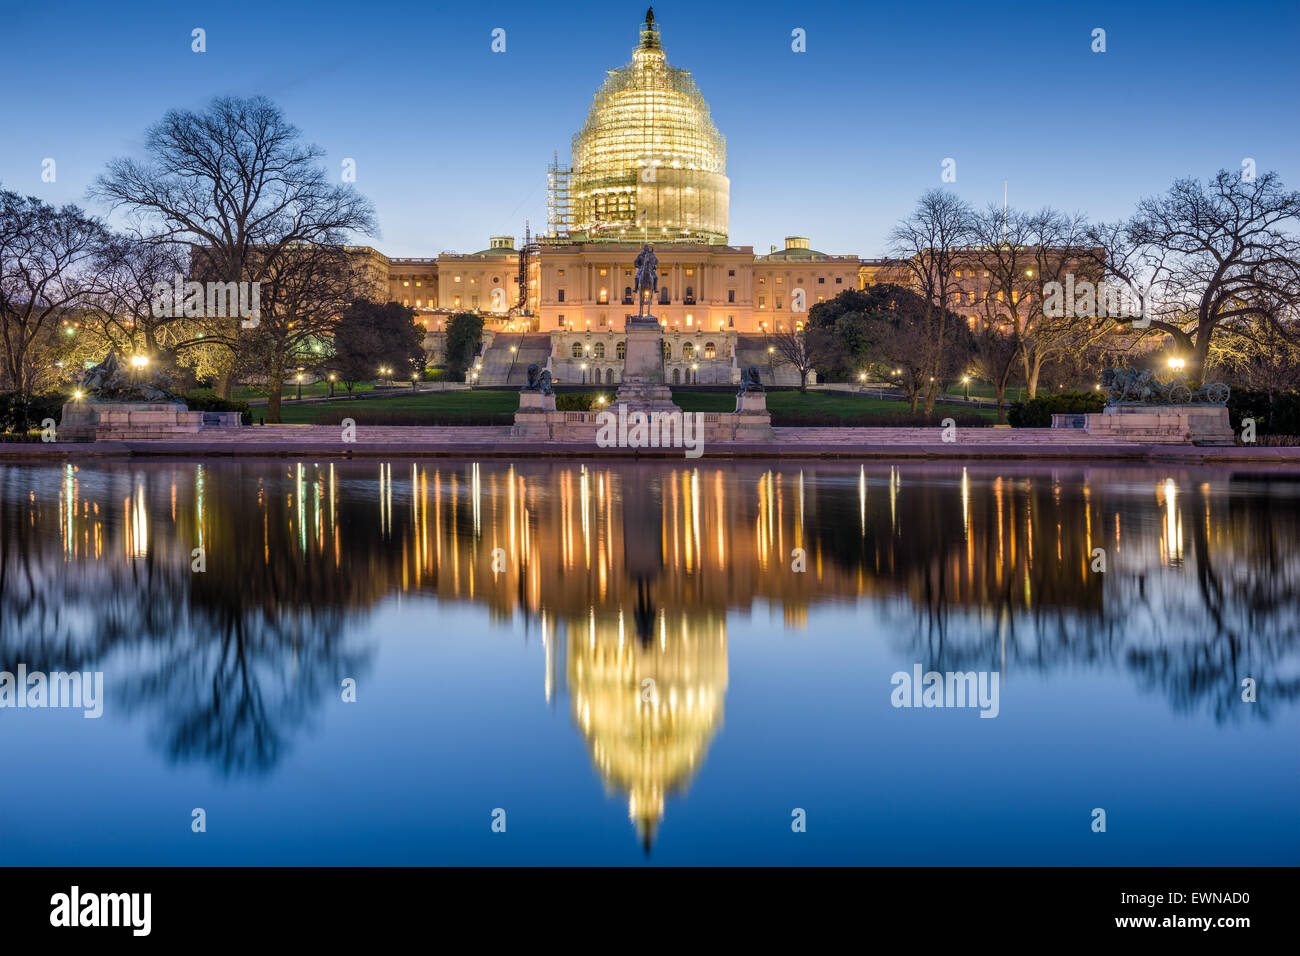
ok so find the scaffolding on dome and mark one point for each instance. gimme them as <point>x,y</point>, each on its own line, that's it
<point>559,213</point>
<point>648,163</point>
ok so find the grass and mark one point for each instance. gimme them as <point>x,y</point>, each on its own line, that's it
<point>242,393</point>
<point>498,408</point>
<point>423,408</point>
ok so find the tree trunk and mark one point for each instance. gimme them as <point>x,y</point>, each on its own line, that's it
<point>275,389</point>
<point>1000,393</point>
<point>1031,378</point>
<point>225,380</point>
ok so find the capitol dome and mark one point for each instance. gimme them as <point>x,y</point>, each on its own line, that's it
<point>649,162</point>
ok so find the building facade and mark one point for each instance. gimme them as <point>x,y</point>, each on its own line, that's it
<point>648,165</point>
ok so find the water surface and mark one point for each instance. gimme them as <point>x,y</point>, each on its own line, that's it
<point>650,661</point>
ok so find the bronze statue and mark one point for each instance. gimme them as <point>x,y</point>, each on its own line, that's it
<point>1128,386</point>
<point>539,380</point>
<point>113,381</point>
<point>750,380</point>
<point>647,279</point>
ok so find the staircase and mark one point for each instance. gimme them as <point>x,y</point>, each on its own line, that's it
<point>752,350</point>
<point>504,367</point>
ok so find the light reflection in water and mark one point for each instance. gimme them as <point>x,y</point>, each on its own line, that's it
<point>632,572</point>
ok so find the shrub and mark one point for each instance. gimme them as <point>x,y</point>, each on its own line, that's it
<point>1038,412</point>
<point>575,402</point>
<point>18,416</point>
<point>210,403</point>
<point>1278,416</point>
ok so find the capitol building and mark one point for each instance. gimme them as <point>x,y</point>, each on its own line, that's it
<point>648,165</point>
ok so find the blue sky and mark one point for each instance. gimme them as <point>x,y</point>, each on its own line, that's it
<point>451,140</point>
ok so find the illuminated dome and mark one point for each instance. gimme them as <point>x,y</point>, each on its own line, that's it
<point>649,161</point>
<point>649,744</point>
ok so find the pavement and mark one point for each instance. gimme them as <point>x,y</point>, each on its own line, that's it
<point>326,441</point>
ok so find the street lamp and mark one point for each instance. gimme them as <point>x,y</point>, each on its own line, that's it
<point>966,381</point>
<point>1177,364</point>
<point>300,386</point>
<point>331,384</point>
<point>584,373</point>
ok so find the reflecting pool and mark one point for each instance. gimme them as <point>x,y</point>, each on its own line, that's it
<point>555,662</point>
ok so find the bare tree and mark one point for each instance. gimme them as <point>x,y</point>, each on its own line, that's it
<point>1220,256</point>
<point>793,348</point>
<point>237,184</point>
<point>120,306</point>
<point>303,298</point>
<point>928,242</point>
<point>46,257</point>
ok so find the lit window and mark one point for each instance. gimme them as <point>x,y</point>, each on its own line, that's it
<point>577,350</point>
<point>710,350</point>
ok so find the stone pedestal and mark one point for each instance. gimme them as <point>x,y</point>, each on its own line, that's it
<point>1165,424</point>
<point>534,416</point>
<point>752,419</point>
<point>643,388</point>
<point>127,421</point>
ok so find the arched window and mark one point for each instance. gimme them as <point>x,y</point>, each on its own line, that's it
<point>677,376</point>
<point>668,351</point>
<point>621,350</point>
<point>609,376</point>
<point>710,350</point>
<point>688,351</point>
<point>663,296</point>
<point>627,295</point>
<point>599,350</point>
<point>577,350</point>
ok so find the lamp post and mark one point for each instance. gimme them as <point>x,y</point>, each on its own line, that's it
<point>300,386</point>
<point>1177,363</point>
<point>966,381</point>
<point>331,384</point>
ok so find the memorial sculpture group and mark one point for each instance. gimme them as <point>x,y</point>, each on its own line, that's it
<point>117,402</point>
<point>1141,408</point>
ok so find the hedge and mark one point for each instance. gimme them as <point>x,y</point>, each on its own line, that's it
<point>1038,412</point>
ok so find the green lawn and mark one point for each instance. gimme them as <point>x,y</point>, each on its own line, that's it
<point>421,408</point>
<point>498,407</point>
<point>242,393</point>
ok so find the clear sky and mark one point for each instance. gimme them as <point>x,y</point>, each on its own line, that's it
<point>451,140</point>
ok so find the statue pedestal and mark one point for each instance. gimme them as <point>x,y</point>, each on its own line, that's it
<point>642,387</point>
<point>533,419</point>
<point>127,421</point>
<point>1164,424</point>
<point>752,419</point>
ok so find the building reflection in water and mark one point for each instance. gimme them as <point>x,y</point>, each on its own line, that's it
<point>631,571</point>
